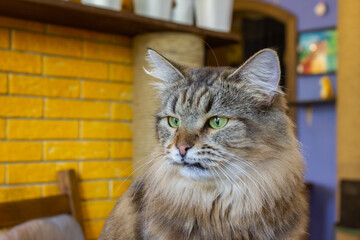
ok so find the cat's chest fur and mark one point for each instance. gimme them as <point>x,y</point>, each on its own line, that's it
<point>215,216</point>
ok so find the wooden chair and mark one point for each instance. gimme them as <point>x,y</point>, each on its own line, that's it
<point>68,201</point>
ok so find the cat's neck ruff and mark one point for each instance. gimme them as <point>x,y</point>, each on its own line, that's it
<point>211,204</point>
<point>246,195</point>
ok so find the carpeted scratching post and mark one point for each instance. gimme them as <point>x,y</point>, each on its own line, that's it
<point>184,48</point>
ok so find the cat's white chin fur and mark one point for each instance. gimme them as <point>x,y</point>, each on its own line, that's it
<point>195,174</point>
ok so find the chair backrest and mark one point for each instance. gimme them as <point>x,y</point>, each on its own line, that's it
<point>68,201</point>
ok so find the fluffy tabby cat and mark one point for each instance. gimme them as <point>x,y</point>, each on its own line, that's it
<point>228,164</point>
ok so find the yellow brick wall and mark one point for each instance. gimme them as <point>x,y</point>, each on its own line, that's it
<point>65,102</point>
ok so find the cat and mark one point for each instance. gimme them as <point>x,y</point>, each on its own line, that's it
<point>228,164</point>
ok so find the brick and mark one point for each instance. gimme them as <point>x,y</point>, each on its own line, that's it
<point>20,151</point>
<point>20,107</point>
<point>68,166</point>
<point>2,174</point>
<point>107,52</point>
<point>77,109</point>
<point>94,190</point>
<point>121,150</point>
<point>50,190</point>
<point>122,111</point>
<point>92,229</point>
<point>10,194</point>
<point>97,209</point>
<point>4,38</point>
<point>109,91</point>
<point>55,66</point>
<point>109,169</point>
<point>41,86</point>
<point>23,24</point>
<point>41,43</point>
<point>31,173</point>
<point>118,188</point>
<point>3,83</point>
<point>76,150</point>
<point>42,129</point>
<point>79,33</point>
<point>105,130</point>
<point>2,129</point>
<point>36,172</point>
<point>20,62</point>
<point>118,72</point>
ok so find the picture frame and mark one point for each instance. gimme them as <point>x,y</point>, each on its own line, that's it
<point>317,52</point>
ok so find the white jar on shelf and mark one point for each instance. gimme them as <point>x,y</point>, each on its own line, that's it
<point>159,9</point>
<point>107,4</point>
<point>183,12</point>
<point>214,15</point>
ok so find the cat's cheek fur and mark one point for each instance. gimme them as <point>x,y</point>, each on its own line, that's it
<point>232,136</point>
<point>165,133</point>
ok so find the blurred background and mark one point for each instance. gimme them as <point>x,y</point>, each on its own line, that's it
<point>73,94</point>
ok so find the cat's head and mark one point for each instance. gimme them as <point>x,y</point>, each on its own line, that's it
<point>216,122</point>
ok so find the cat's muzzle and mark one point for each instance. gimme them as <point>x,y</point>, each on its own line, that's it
<point>194,165</point>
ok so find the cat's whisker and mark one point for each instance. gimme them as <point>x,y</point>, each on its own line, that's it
<point>263,183</point>
<point>244,172</point>
<point>213,169</point>
<point>238,168</point>
<point>253,168</point>
<point>220,178</point>
<point>257,184</point>
<point>223,182</point>
<point>147,173</point>
<point>247,163</point>
<point>139,168</point>
<point>236,184</point>
<point>257,210</point>
<point>148,161</point>
<point>265,197</point>
<point>259,214</point>
<point>152,196</point>
<point>154,172</point>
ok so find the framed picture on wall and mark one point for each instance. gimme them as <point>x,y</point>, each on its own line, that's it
<point>317,52</point>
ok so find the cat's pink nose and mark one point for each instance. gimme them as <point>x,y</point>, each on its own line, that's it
<point>183,148</point>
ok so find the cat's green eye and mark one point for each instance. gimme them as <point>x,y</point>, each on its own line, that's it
<point>173,122</point>
<point>218,122</point>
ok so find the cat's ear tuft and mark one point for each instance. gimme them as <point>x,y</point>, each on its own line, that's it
<point>162,68</point>
<point>262,70</point>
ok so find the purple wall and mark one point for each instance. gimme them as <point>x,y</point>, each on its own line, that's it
<point>304,10</point>
<point>318,139</point>
<point>318,146</point>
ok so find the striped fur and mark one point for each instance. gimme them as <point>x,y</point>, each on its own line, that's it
<point>250,185</point>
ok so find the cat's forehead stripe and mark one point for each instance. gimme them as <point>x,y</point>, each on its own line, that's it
<point>201,94</point>
<point>174,103</point>
<point>190,99</point>
<point>194,95</point>
<point>184,96</point>
<point>209,104</point>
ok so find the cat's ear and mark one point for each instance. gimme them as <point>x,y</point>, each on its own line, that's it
<point>162,68</point>
<point>262,70</point>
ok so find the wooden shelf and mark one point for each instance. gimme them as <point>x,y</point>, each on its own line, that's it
<point>312,102</point>
<point>86,17</point>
